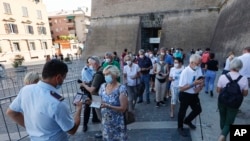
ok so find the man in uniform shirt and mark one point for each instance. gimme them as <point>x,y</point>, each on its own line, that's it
<point>190,84</point>
<point>42,111</point>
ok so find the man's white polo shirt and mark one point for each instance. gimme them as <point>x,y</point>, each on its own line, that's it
<point>188,76</point>
<point>245,70</point>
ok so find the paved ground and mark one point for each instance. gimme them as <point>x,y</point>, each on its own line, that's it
<point>152,124</point>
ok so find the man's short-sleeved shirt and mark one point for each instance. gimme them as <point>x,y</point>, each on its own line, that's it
<point>131,72</point>
<point>115,63</point>
<point>98,79</point>
<point>45,117</point>
<point>245,70</point>
<point>87,74</point>
<point>144,62</point>
<point>188,76</point>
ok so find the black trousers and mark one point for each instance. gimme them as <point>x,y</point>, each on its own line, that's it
<point>86,115</point>
<point>186,100</point>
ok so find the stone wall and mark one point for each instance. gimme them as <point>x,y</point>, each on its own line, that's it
<point>107,8</point>
<point>112,34</point>
<point>232,30</point>
<point>115,24</point>
<point>189,29</point>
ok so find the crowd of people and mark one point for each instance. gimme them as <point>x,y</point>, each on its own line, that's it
<point>116,79</point>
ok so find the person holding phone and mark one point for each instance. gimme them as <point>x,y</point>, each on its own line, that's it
<point>190,87</point>
<point>42,111</point>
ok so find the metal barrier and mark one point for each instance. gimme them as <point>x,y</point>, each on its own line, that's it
<point>8,87</point>
<point>10,131</point>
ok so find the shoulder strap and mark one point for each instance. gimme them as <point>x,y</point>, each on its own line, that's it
<point>238,78</point>
<point>56,96</point>
<point>229,77</point>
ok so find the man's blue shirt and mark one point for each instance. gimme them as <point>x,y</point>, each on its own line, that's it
<point>45,117</point>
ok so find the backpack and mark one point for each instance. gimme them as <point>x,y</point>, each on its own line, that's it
<point>231,95</point>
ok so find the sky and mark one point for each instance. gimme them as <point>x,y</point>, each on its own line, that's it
<point>56,5</point>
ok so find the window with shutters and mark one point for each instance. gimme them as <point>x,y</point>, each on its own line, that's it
<point>39,14</point>
<point>11,28</point>
<point>41,30</point>
<point>7,9</point>
<point>32,46</point>
<point>25,11</point>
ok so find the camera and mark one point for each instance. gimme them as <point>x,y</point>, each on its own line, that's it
<point>82,88</point>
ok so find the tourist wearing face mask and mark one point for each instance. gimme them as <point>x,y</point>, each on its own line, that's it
<point>174,77</point>
<point>131,73</point>
<point>114,103</point>
<point>190,84</point>
<point>145,65</point>
<point>110,61</point>
<point>161,71</point>
<point>154,60</point>
<point>41,109</point>
<point>98,79</point>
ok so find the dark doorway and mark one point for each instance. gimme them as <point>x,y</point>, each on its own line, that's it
<point>146,34</point>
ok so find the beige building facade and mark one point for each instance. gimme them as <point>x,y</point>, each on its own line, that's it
<point>24,30</point>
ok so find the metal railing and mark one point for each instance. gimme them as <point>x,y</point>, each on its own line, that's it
<point>10,131</point>
<point>12,82</point>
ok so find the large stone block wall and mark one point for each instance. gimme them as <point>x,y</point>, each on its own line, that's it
<point>106,8</point>
<point>232,30</point>
<point>112,34</point>
<point>189,29</point>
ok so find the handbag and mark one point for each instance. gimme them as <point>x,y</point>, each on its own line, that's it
<point>161,80</point>
<point>129,117</point>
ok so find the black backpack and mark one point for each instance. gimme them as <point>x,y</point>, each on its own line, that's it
<point>231,95</point>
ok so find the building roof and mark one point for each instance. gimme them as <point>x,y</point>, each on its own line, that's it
<point>64,13</point>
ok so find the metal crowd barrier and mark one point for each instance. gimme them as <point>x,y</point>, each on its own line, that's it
<point>10,131</point>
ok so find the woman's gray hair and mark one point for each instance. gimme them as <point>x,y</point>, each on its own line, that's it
<point>31,78</point>
<point>113,70</point>
<point>236,64</point>
<point>194,58</point>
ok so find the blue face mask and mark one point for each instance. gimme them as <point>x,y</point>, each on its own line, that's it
<point>58,86</point>
<point>196,67</point>
<point>108,78</point>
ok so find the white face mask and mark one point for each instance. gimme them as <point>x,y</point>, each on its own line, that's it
<point>162,53</point>
<point>128,62</point>
<point>107,60</point>
<point>146,54</point>
<point>196,67</point>
<point>176,65</point>
<point>141,56</point>
<point>161,62</point>
<point>150,55</point>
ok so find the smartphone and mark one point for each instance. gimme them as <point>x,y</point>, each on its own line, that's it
<point>201,77</point>
<point>80,96</point>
